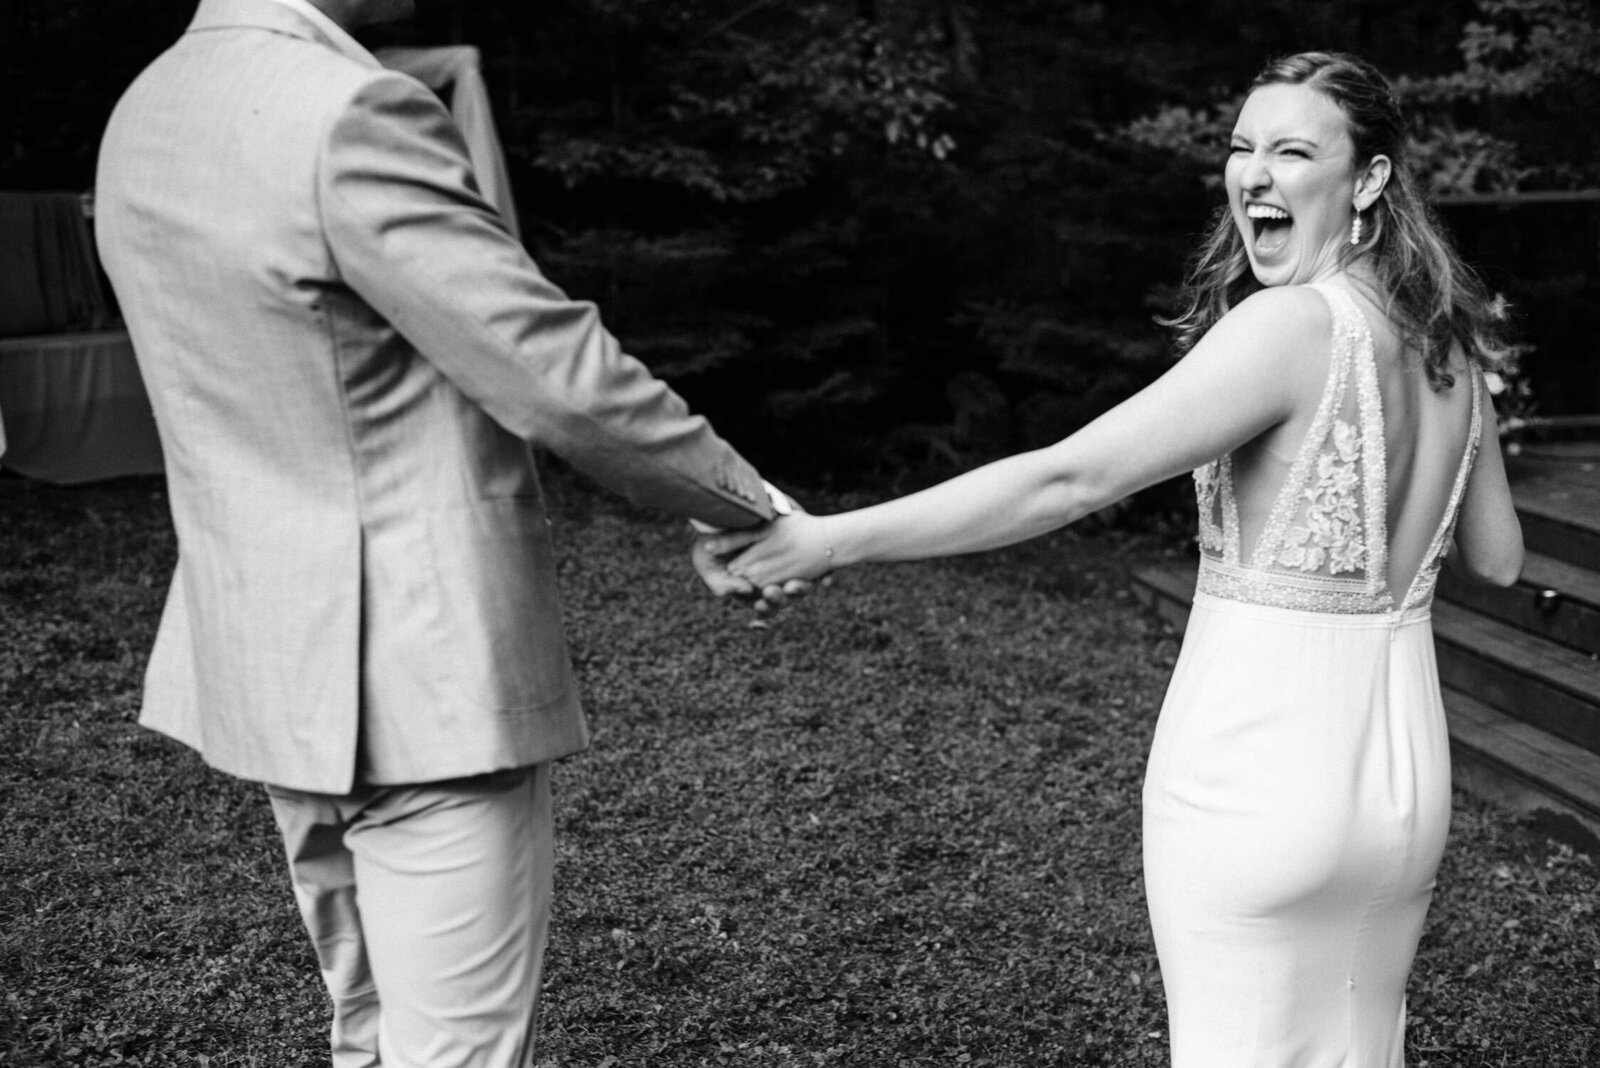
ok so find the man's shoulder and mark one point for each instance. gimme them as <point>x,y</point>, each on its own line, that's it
<point>260,58</point>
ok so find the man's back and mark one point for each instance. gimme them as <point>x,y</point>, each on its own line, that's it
<point>350,358</point>
<point>363,549</point>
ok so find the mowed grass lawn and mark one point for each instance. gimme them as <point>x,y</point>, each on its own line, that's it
<point>898,826</point>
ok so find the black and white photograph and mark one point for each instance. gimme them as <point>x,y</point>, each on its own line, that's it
<point>799,534</point>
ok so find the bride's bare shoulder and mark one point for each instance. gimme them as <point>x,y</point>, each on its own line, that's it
<point>1278,325</point>
<point>1282,309</point>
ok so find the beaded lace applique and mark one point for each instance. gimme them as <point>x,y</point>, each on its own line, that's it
<point>1331,530</point>
<point>1213,486</point>
<point>1324,547</point>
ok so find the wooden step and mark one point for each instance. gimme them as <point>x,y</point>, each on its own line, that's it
<point>1530,678</point>
<point>1167,591</point>
<point>1522,768</point>
<point>1553,599</point>
<point>1558,502</point>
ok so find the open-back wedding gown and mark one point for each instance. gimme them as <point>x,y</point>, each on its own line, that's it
<point>1298,791</point>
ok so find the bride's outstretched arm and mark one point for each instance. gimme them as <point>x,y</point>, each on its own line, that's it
<point>1247,375</point>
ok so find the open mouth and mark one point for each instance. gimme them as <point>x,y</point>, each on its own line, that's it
<point>1270,226</point>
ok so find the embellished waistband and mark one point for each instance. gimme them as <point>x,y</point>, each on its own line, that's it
<point>1393,619</point>
<point>1324,600</point>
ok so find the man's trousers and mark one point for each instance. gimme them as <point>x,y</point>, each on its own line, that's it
<point>429,907</point>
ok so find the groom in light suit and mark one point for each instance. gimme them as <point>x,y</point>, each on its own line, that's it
<point>349,358</point>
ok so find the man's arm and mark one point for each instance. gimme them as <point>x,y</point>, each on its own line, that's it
<point>409,232</point>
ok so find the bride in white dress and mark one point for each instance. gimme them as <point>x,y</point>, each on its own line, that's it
<point>1331,404</point>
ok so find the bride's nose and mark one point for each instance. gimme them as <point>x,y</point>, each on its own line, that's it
<point>1254,175</point>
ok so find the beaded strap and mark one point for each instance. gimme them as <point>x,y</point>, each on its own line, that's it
<point>1374,451</point>
<point>1274,534</point>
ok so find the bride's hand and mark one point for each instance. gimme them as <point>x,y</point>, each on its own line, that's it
<point>788,549</point>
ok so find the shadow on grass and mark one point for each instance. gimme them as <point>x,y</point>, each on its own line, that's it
<point>899,826</point>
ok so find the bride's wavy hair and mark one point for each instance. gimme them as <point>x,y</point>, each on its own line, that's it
<point>1436,300</point>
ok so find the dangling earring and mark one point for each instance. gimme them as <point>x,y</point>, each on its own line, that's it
<point>1355,229</point>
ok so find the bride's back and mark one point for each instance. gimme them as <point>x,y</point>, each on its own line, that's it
<point>1374,454</point>
<point>1426,434</point>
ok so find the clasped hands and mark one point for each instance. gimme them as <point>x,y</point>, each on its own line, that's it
<point>769,565</point>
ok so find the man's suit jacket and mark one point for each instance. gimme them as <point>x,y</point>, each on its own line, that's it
<point>348,357</point>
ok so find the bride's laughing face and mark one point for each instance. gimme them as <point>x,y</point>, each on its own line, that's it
<point>1292,183</point>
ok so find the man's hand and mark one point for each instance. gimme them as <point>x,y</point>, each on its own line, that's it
<point>721,582</point>
<point>713,566</point>
<point>714,572</point>
<point>777,595</point>
<point>782,558</point>
<point>713,569</point>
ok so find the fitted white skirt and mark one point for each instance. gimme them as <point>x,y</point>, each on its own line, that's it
<point>1295,809</point>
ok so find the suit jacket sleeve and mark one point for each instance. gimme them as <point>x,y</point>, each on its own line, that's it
<point>409,232</point>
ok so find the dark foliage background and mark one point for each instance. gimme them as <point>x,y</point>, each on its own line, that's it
<point>912,234</point>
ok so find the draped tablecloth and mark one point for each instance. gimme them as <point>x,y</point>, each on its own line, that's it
<point>73,408</point>
<point>49,274</point>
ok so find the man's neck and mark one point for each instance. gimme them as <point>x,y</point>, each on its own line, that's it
<point>343,12</point>
<point>350,14</point>
<point>331,29</point>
